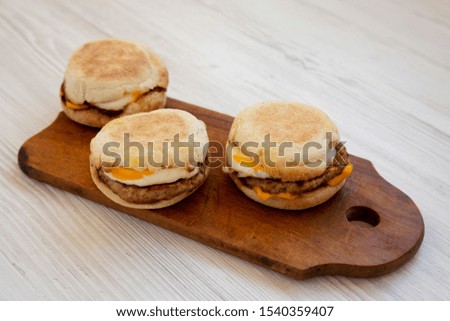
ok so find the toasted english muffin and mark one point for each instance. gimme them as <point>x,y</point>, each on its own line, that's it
<point>136,161</point>
<point>111,78</point>
<point>286,155</point>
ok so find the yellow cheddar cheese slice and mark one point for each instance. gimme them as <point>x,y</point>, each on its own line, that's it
<point>346,172</point>
<point>75,106</point>
<point>264,195</point>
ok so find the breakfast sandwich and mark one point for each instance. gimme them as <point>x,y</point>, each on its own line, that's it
<point>150,160</point>
<point>286,155</point>
<point>110,78</point>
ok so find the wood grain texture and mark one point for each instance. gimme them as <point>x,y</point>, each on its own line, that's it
<point>323,240</point>
<point>380,69</point>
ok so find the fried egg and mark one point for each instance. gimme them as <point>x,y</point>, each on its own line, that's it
<point>147,177</point>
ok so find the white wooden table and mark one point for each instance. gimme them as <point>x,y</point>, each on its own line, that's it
<point>381,69</point>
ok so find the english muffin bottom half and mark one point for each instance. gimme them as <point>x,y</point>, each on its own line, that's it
<point>150,160</point>
<point>286,155</point>
<point>110,78</point>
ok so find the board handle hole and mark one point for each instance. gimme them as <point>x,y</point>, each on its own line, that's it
<point>362,216</point>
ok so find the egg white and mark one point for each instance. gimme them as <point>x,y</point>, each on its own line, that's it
<point>117,104</point>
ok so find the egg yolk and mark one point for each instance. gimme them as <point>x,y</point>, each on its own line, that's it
<point>242,159</point>
<point>127,174</point>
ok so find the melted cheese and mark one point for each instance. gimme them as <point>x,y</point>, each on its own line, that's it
<point>147,177</point>
<point>346,172</point>
<point>265,196</point>
<point>75,106</point>
<point>136,94</point>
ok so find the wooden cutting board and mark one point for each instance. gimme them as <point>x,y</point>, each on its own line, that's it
<point>369,228</point>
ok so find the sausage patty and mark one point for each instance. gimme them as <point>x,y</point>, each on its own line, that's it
<point>153,193</point>
<point>276,186</point>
